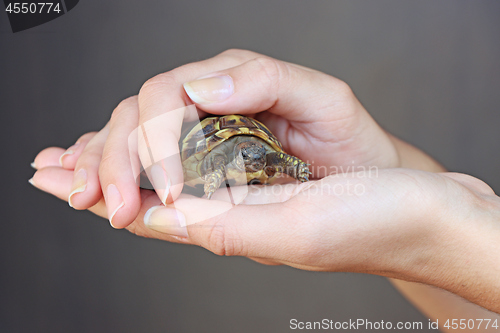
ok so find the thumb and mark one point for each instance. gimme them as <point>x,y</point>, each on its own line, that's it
<point>265,83</point>
<point>470,182</point>
<point>261,230</point>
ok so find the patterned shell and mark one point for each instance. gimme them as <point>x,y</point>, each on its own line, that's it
<point>213,131</point>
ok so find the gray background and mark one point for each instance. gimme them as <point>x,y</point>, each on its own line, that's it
<point>428,71</point>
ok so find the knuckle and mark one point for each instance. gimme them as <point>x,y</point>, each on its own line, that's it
<point>232,52</point>
<point>138,230</point>
<point>156,87</point>
<point>270,67</point>
<point>128,102</point>
<point>132,228</point>
<point>224,241</point>
<point>158,82</point>
<point>86,137</point>
<point>88,158</point>
<point>274,72</point>
<point>107,163</point>
<point>341,88</point>
<point>125,106</point>
<point>238,54</point>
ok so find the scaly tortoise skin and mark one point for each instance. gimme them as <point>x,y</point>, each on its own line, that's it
<point>235,148</point>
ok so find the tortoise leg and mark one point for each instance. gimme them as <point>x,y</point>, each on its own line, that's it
<point>217,175</point>
<point>287,164</point>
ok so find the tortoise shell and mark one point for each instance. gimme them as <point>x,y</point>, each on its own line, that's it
<point>214,131</point>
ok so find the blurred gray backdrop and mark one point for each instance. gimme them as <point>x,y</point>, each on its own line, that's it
<point>428,71</point>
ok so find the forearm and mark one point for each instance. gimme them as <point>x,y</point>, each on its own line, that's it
<point>465,269</point>
<point>438,303</point>
<point>441,305</point>
<point>413,158</point>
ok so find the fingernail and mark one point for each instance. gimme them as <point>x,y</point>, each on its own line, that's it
<point>66,153</point>
<point>79,184</point>
<point>33,165</point>
<point>69,151</point>
<point>31,181</point>
<point>166,220</point>
<point>161,182</point>
<point>210,90</point>
<point>114,201</point>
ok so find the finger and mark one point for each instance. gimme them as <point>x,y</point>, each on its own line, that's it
<point>470,182</point>
<point>308,111</point>
<point>149,199</point>
<point>55,156</point>
<point>116,174</point>
<point>261,231</point>
<point>259,194</point>
<point>68,159</point>
<point>86,189</point>
<point>47,158</point>
<point>57,181</point>
<point>226,199</point>
<point>163,108</point>
<point>265,83</point>
<point>265,261</point>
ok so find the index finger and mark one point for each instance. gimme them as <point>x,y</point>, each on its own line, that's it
<point>164,106</point>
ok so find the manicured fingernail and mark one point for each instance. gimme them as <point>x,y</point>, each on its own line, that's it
<point>166,220</point>
<point>33,165</point>
<point>161,182</point>
<point>79,184</point>
<point>69,151</point>
<point>210,90</point>
<point>31,181</point>
<point>66,153</point>
<point>114,201</point>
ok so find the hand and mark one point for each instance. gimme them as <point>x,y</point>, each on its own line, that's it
<point>391,223</point>
<point>314,115</point>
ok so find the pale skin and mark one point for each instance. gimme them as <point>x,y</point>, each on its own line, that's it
<point>435,234</point>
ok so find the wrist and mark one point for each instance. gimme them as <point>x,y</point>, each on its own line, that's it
<point>411,230</point>
<point>463,253</point>
<point>419,243</point>
<point>413,158</point>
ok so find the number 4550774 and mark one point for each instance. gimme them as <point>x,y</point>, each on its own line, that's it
<point>462,324</point>
<point>32,8</point>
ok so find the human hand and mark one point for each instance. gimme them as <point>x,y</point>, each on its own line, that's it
<point>314,115</point>
<point>393,223</point>
<point>359,141</point>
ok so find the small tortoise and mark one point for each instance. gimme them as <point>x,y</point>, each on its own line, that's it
<point>225,148</point>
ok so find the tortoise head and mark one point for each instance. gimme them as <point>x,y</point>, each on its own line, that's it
<point>250,156</point>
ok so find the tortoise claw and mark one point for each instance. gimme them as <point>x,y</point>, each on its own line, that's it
<point>303,172</point>
<point>213,181</point>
